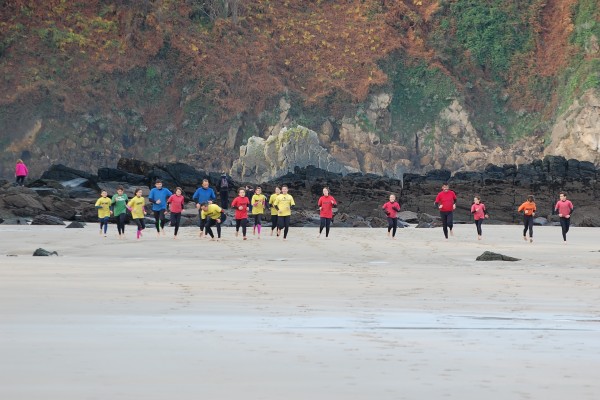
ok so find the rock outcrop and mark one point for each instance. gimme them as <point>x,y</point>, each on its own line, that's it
<point>265,159</point>
<point>577,132</point>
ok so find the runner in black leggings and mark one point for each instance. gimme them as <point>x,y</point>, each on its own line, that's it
<point>274,222</point>
<point>528,208</point>
<point>564,208</point>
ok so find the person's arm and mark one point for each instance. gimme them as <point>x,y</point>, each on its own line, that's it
<point>98,206</point>
<point>151,196</point>
<point>397,208</point>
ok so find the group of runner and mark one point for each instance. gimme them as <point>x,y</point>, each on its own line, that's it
<point>211,215</point>
<point>281,203</point>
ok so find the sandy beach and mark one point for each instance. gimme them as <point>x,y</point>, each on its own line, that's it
<point>355,316</point>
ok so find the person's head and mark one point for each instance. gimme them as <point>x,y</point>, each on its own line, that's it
<point>325,191</point>
<point>241,192</point>
<point>392,198</point>
<point>158,184</point>
<point>138,192</point>
<point>284,189</point>
<point>563,196</point>
<point>204,183</point>
<point>277,189</point>
<point>476,200</point>
<point>258,190</point>
<point>19,161</point>
<point>204,206</point>
<point>120,190</point>
<point>104,193</point>
<point>445,187</point>
<point>178,191</point>
<point>530,198</point>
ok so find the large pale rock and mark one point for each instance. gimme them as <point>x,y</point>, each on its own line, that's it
<point>576,133</point>
<point>265,159</point>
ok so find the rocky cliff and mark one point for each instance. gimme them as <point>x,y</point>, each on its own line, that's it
<point>387,87</point>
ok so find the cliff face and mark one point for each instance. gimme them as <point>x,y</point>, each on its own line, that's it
<point>386,87</point>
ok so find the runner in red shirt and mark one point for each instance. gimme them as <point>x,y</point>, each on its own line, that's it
<point>446,203</point>
<point>176,203</point>
<point>326,204</point>
<point>564,208</point>
<point>240,204</point>
<point>391,209</point>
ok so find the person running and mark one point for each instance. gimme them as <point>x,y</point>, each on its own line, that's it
<point>240,205</point>
<point>258,202</point>
<point>103,206</point>
<point>249,194</point>
<point>528,208</point>
<point>391,209</point>
<point>274,210</point>
<point>204,194</point>
<point>214,217</point>
<point>119,203</point>
<point>176,203</point>
<point>224,183</point>
<point>137,206</point>
<point>479,214</point>
<point>564,208</point>
<point>446,203</point>
<point>21,172</point>
<point>283,204</point>
<point>158,197</point>
<point>326,204</point>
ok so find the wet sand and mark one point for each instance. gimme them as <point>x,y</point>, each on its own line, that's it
<point>355,316</point>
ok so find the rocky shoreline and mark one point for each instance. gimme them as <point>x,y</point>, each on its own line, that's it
<point>67,194</point>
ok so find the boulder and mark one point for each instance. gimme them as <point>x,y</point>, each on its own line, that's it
<point>15,221</point>
<point>44,219</point>
<point>44,253</point>
<point>409,216</point>
<point>117,175</point>
<point>132,166</point>
<point>59,172</point>
<point>76,224</point>
<point>540,221</point>
<point>491,256</point>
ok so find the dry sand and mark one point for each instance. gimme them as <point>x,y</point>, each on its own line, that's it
<point>355,316</point>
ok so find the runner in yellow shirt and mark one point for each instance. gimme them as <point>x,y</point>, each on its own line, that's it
<point>103,206</point>
<point>274,210</point>
<point>214,216</point>
<point>137,206</point>
<point>258,209</point>
<point>284,203</point>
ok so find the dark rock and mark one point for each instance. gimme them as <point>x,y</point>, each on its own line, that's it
<point>441,175</point>
<point>491,256</point>
<point>409,216</point>
<point>15,221</point>
<point>136,167</point>
<point>425,225</point>
<point>555,166</point>
<point>44,253</point>
<point>76,224</point>
<point>45,219</point>
<point>540,221</point>
<point>117,175</point>
<point>59,172</point>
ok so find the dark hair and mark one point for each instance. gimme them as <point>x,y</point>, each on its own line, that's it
<point>563,193</point>
<point>530,198</point>
<point>204,204</point>
<point>120,187</point>
<point>445,184</point>
<point>137,190</point>
<point>204,180</point>
<point>258,187</point>
<point>178,188</point>
<point>284,186</point>
<point>157,181</point>
<point>477,197</point>
<point>244,189</point>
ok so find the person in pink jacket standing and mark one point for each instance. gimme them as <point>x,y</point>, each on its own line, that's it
<point>21,172</point>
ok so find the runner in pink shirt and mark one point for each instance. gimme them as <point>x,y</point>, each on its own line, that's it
<point>391,209</point>
<point>564,208</point>
<point>479,214</point>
